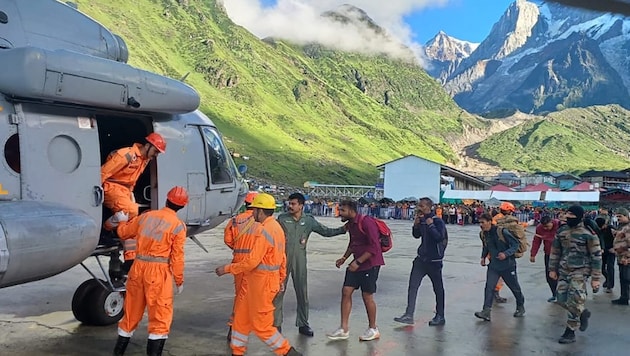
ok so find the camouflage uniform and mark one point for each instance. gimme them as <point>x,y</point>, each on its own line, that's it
<point>621,245</point>
<point>575,255</point>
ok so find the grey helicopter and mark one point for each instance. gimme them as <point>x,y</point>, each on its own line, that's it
<point>67,99</point>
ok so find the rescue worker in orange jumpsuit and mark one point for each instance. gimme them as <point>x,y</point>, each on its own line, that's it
<point>506,208</point>
<point>263,270</point>
<point>160,261</point>
<point>119,175</point>
<point>238,226</point>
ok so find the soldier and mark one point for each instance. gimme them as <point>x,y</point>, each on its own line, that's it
<point>621,246</point>
<point>575,255</point>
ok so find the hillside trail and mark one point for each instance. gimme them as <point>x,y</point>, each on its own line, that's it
<point>466,146</point>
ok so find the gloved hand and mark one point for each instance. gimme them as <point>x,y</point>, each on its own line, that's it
<point>180,289</point>
<point>120,216</point>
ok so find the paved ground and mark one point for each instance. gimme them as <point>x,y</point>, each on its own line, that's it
<point>36,319</point>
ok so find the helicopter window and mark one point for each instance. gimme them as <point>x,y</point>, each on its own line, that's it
<point>12,152</point>
<point>218,160</point>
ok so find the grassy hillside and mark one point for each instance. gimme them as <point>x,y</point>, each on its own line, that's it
<point>570,140</point>
<point>299,113</point>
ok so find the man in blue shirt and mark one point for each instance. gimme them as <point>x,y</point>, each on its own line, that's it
<point>428,261</point>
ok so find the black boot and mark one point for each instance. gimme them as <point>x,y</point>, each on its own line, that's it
<point>154,347</point>
<point>586,314</point>
<point>498,298</point>
<point>568,336</point>
<point>292,352</point>
<point>121,345</point>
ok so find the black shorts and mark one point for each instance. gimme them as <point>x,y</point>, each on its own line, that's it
<point>364,279</point>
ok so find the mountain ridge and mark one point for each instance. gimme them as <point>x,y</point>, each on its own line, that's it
<point>502,67</point>
<point>298,112</point>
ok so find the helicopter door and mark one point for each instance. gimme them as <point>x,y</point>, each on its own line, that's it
<point>60,157</point>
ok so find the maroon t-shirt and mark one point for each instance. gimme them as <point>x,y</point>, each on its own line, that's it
<point>546,239</point>
<point>365,239</point>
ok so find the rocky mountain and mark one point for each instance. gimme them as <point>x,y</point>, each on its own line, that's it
<point>309,112</point>
<point>297,112</point>
<point>446,53</point>
<point>542,57</point>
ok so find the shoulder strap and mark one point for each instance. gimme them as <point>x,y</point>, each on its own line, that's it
<point>245,229</point>
<point>500,233</point>
<point>360,223</point>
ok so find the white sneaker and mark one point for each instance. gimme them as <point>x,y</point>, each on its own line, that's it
<point>339,334</point>
<point>370,334</point>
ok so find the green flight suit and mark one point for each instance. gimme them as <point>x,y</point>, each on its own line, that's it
<point>297,234</point>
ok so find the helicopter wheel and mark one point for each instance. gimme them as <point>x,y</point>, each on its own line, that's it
<point>93,304</point>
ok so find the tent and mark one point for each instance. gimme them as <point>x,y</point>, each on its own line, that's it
<point>466,194</point>
<point>492,202</point>
<point>516,196</point>
<point>573,196</point>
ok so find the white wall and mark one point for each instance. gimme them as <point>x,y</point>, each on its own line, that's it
<point>412,176</point>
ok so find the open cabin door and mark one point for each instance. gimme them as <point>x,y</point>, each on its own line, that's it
<point>60,157</point>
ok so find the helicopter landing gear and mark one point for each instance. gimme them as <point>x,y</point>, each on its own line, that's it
<point>97,301</point>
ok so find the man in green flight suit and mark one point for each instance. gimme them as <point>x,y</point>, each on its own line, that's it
<point>297,227</point>
<point>575,255</point>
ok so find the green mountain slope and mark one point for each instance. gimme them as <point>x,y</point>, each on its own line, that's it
<point>571,140</point>
<point>299,113</point>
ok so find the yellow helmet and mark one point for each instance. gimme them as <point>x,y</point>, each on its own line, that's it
<point>263,201</point>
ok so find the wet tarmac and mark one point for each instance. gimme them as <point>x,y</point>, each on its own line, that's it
<point>36,319</point>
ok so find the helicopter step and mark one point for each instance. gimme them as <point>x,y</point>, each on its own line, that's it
<point>101,301</point>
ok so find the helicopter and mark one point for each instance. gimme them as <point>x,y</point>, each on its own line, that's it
<point>67,99</point>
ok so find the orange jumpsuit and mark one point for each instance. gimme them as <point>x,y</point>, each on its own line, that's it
<point>119,175</point>
<point>160,260</point>
<point>234,238</point>
<point>263,270</point>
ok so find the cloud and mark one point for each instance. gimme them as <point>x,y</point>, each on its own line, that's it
<point>300,21</point>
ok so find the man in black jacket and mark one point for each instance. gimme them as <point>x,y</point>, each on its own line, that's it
<point>502,265</point>
<point>428,262</point>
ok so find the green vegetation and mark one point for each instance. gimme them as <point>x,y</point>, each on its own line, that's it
<point>299,112</point>
<point>573,140</point>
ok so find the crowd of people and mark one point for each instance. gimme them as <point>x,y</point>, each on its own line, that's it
<point>578,247</point>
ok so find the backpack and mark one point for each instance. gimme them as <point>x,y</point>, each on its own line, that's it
<point>385,233</point>
<point>516,229</point>
<point>444,241</point>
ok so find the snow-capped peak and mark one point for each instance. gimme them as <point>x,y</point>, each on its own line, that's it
<point>443,47</point>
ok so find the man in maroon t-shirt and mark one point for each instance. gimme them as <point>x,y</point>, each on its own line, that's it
<point>545,233</point>
<point>362,272</point>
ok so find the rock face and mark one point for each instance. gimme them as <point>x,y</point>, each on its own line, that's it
<point>446,53</point>
<point>539,58</point>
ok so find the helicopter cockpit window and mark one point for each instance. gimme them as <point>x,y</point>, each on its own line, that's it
<point>219,163</point>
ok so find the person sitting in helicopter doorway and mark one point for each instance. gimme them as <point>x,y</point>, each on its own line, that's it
<point>119,175</point>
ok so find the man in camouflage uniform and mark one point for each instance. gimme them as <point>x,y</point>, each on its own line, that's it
<point>575,255</point>
<point>621,246</point>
